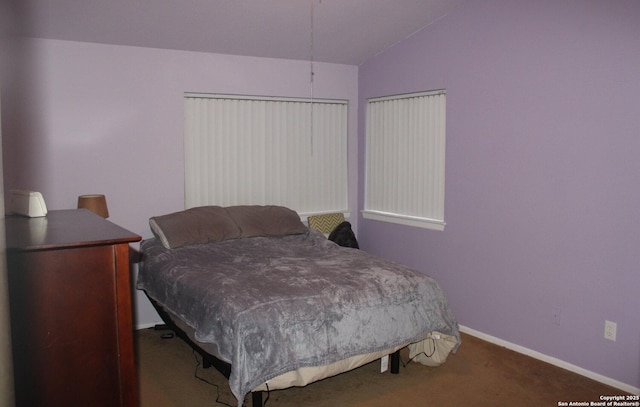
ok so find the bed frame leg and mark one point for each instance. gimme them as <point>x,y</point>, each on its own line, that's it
<point>256,399</point>
<point>395,362</point>
<point>206,363</point>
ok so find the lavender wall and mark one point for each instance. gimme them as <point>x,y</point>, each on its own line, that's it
<point>88,118</point>
<point>542,173</point>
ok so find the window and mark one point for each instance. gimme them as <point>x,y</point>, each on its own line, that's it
<point>266,151</point>
<point>405,150</point>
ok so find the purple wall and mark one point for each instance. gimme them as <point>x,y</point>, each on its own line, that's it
<point>542,242</point>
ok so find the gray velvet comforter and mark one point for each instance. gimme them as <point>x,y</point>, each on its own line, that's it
<point>275,304</point>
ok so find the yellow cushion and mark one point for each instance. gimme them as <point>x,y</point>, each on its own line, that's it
<point>325,223</point>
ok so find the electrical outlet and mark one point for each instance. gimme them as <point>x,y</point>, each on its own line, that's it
<point>610,330</point>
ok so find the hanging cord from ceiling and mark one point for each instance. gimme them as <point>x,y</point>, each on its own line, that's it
<point>311,70</point>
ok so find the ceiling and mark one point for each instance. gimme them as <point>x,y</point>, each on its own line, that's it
<point>343,31</point>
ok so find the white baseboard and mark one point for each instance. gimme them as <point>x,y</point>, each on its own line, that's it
<point>551,360</point>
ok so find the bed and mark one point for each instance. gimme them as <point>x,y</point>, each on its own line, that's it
<point>276,302</point>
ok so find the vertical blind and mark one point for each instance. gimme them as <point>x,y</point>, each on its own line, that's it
<point>266,151</point>
<point>405,151</point>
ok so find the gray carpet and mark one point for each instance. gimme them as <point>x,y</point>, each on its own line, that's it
<point>480,374</point>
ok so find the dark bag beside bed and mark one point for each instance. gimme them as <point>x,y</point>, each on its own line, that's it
<point>343,235</point>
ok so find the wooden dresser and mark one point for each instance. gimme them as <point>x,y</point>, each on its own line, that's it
<point>70,305</point>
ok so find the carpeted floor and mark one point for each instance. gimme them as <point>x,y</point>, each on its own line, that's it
<point>480,374</point>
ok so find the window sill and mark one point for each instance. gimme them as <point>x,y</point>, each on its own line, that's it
<point>414,221</point>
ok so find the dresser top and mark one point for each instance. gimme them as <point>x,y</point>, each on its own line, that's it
<point>63,229</point>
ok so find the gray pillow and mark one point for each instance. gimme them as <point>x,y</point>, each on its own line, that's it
<point>204,224</point>
<point>270,220</point>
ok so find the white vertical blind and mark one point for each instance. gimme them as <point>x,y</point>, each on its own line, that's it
<point>405,153</point>
<point>265,151</point>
